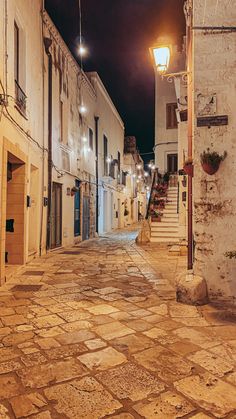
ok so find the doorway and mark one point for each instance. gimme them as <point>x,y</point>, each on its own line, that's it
<point>119,213</point>
<point>56,216</point>
<point>77,210</point>
<point>172,163</point>
<point>33,211</point>
<point>15,211</point>
<point>105,211</point>
<point>86,218</point>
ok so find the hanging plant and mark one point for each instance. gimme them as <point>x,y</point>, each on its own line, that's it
<point>188,167</point>
<point>211,160</point>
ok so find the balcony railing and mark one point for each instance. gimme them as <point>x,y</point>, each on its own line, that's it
<point>20,98</point>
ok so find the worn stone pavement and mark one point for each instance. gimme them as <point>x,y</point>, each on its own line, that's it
<point>94,331</point>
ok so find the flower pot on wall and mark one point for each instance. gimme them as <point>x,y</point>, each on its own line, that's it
<point>210,169</point>
<point>188,168</point>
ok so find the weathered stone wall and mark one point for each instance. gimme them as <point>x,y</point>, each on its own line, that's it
<point>215,196</point>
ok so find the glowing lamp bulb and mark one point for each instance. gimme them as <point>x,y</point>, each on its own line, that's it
<point>108,160</point>
<point>150,165</point>
<point>161,57</point>
<point>138,181</point>
<point>82,109</point>
<point>139,177</point>
<point>84,139</point>
<point>146,174</point>
<point>139,166</point>
<point>82,50</point>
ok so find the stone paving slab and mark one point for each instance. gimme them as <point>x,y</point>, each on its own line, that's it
<point>98,334</point>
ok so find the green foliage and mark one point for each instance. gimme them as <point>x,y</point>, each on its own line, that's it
<point>212,158</point>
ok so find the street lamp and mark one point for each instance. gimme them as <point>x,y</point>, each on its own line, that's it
<point>161,58</point>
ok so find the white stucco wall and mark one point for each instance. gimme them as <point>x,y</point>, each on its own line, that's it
<point>24,133</point>
<point>215,196</point>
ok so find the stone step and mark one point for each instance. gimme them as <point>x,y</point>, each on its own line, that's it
<point>174,217</point>
<point>163,234</point>
<point>170,211</point>
<point>161,228</point>
<point>163,240</point>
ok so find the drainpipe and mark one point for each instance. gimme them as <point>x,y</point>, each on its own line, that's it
<point>96,118</point>
<point>190,133</point>
<point>43,163</point>
<point>6,50</point>
<point>47,44</point>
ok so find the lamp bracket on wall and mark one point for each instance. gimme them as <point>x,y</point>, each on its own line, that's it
<point>172,76</point>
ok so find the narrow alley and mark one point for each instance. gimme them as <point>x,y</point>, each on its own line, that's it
<point>94,331</point>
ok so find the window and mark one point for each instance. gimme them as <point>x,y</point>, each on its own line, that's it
<point>171,120</point>
<point>172,163</point>
<point>19,54</point>
<point>16,52</point>
<point>105,154</point>
<point>90,139</point>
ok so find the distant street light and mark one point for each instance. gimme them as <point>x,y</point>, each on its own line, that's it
<point>82,109</point>
<point>82,51</point>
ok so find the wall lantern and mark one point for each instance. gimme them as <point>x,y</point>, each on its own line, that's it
<point>161,57</point>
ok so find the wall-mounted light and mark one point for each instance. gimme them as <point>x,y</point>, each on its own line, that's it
<point>161,57</point>
<point>84,139</point>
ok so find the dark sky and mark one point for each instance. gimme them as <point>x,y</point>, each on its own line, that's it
<point>118,34</point>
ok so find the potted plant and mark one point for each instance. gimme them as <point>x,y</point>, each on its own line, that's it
<point>211,160</point>
<point>188,167</point>
<point>156,216</point>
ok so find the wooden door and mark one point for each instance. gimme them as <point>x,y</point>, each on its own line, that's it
<point>77,211</point>
<point>86,218</point>
<point>56,216</point>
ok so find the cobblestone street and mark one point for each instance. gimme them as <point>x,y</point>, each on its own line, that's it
<point>94,331</point>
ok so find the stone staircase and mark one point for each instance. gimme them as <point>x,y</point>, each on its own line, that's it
<point>166,231</point>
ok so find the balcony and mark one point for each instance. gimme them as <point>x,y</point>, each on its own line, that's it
<point>20,99</point>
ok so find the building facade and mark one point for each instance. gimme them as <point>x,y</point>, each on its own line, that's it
<point>214,83</point>
<point>23,143</point>
<point>63,177</point>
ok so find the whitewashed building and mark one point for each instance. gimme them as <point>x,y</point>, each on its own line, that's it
<point>62,172</point>
<point>23,139</point>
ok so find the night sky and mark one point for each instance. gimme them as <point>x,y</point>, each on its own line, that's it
<point>118,34</point>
